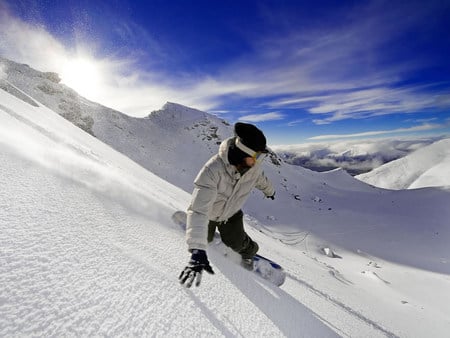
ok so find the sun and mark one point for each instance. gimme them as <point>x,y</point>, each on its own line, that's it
<point>82,75</point>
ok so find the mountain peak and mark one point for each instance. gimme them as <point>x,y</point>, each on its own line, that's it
<point>176,111</point>
<point>176,106</point>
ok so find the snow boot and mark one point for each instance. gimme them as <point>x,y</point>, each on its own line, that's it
<point>247,263</point>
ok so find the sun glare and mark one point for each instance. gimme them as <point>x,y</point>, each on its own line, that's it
<point>83,76</point>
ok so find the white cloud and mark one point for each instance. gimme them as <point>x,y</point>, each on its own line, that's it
<point>343,71</point>
<point>388,146</point>
<point>422,127</point>
<point>355,156</point>
<point>374,102</point>
<point>262,117</point>
<point>295,122</point>
<point>120,83</point>
<point>21,41</point>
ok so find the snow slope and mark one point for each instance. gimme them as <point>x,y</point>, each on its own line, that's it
<point>87,246</point>
<point>426,167</point>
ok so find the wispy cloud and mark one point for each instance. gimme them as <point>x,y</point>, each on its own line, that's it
<point>374,102</point>
<point>293,123</point>
<point>262,117</point>
<point>21,41</point>
<point>422,127</point>
<point>424,120</point>
<point>342,70</point>
<point>123,85</point>
<point>336,71</point>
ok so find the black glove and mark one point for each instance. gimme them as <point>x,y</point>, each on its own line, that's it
<point>193,271</point>
<point>271,197</point>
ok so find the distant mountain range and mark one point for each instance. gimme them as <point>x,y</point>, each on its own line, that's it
<point>426,167</point>
<point>356,157</point>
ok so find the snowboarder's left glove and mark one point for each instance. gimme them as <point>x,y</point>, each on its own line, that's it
<point>271,197</point>
<point>193,271</point>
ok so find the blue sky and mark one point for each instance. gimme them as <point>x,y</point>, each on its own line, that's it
<point>303,71</point>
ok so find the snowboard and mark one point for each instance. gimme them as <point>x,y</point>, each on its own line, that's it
<point>262,266</point>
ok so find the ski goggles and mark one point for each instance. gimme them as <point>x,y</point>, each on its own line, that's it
<point>256,155</point>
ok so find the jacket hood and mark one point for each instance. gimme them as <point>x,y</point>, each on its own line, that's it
<point>223,149</point>
<point>223,154</point>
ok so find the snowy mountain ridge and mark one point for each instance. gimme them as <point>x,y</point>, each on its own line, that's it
<point>197,133</point>
<point>89,247</point>
<point>356,157</point>
<point>426,167</point>
<point>45,87</point>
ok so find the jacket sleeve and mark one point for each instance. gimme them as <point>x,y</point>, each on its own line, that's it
<point>264,184</point>
<point>203,197</point>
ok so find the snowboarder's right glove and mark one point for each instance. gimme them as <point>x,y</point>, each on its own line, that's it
<point>193,271</point>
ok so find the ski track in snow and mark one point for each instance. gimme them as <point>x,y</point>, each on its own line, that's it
<point>371,328</point>
<point>342,306</point>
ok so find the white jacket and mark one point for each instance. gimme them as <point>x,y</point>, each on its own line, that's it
<point>220,191</point>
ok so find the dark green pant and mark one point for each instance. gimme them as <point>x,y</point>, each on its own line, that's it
<point>233,235</point>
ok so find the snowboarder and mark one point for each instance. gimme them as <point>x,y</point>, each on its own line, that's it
<point>220,190</point>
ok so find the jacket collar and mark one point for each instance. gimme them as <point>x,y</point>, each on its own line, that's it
<point>223,154</point>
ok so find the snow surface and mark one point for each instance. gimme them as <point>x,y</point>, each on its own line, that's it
<point>87,246</point>
<point>426,167</point>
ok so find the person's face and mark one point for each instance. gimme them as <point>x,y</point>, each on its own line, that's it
<point>249,162</point>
